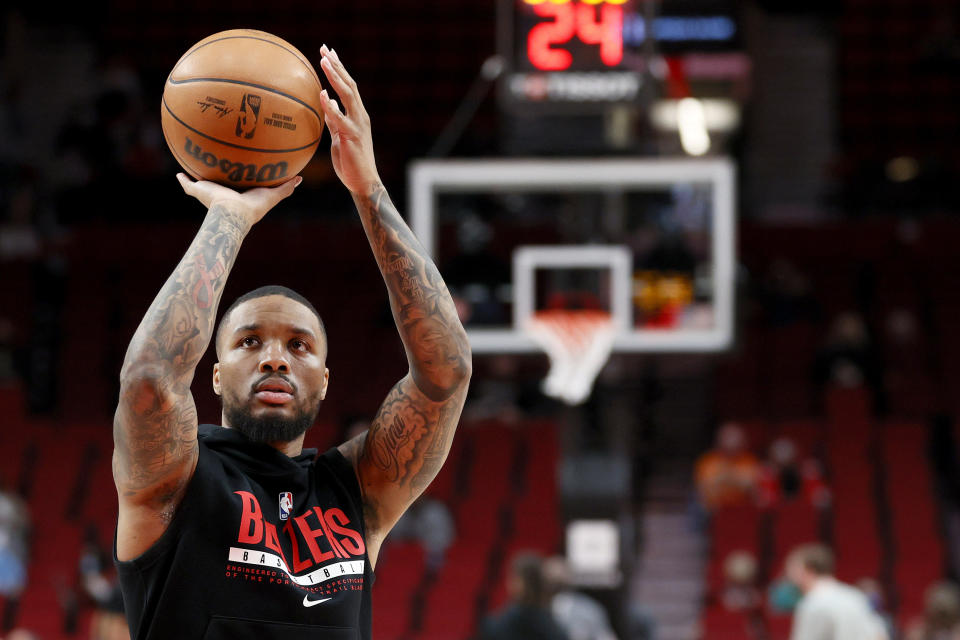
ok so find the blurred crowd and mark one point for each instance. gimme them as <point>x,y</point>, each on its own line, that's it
<point>730,475</point>
<point>544,604</point>
<point>14,551</point>
<point>827,609</point>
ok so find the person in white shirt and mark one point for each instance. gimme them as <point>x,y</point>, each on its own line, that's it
<point>582,617</point>
<point>829,609</point>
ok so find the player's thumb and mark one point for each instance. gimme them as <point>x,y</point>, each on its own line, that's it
<point>287,187</point>
<point>186,183</point>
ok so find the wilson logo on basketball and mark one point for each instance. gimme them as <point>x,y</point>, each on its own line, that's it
<point>237,171</point>
<point>248,116</point>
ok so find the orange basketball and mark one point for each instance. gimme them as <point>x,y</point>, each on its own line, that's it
<point>242,108</point>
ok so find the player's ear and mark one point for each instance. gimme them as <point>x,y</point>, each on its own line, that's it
<point>326,381</point>
<point>216,378</point>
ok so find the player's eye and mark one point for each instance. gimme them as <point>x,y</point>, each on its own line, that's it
<point>249,341</point>
<point>299,345</point>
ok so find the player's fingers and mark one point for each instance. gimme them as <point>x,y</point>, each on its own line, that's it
<point>342,70</point>
<point>357,101</point>
<point>333,73</point>
<point>340,85</point>
<point>335,118</point>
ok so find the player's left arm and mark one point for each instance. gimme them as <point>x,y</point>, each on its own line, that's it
<point>410,437</point>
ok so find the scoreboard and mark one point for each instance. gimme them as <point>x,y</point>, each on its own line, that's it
<point>582,51</point>
<point>558,34</point>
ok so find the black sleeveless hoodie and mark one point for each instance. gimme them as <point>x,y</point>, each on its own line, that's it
<point>262,546</point>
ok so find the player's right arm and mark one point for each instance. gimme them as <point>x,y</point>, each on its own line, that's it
<point>155,425</point>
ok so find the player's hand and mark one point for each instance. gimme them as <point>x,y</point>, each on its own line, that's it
<point>352,143</point>
<point>253,204</point>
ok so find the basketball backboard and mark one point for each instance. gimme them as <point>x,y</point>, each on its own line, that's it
<point>628,220</point>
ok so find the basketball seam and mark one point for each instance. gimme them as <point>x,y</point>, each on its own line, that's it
<point>300,57</point>
<point>248,84</point>
<point>231,144</point>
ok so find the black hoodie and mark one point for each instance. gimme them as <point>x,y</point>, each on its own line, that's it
<point>262,546</point>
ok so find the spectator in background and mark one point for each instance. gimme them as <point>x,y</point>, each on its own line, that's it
<point>783,596</point>
<point>582,617</point>
<point>527,616</point>
<point>903,333</point>
<point>8,366</point>
<point>873,590</point>
<point>941,615</point>
<point>477,277</point>
<point>829,609</point>
<point>787,295</point>
<point>783,477</point>
<point>727,475</point>
<point>849,358</point>
<point>98,581</point>
<point>740,591</point>
<point>496,395</point>
<point>429,522</point>
<point>14,544</point>
<point>19,235</point>
<point>740,594</point>
<point>641,625</point>
<point>14,550</point>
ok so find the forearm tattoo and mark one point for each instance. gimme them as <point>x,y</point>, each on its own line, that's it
<point>422,307</point>
<point>411,435</point>
<point>155,428</point>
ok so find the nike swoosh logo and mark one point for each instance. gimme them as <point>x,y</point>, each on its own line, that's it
<point>307,602</point>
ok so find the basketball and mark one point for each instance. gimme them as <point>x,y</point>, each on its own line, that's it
<point>242,108</point>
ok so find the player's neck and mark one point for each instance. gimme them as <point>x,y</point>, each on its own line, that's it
<point>292,448</point>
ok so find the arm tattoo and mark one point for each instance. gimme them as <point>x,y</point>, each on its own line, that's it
<point>422,307</point>
<point>411,435</point>
<point>398,429</point>
<point>435,449</point>
<point>155,428</point>
<point>407,444</point>
<point>409,440</point>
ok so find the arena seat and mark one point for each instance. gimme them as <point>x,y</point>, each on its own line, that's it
<point>721,624</point>
<point>918,554</point>
<point>451,601</point>
<point>399,573</point>
<point>794,522</point>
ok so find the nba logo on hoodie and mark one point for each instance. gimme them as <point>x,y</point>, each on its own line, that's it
<point>286,504</point>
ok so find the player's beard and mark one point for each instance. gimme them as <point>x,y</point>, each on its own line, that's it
<point>269,428</point>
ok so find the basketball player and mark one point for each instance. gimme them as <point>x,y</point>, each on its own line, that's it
<point>236,531</point>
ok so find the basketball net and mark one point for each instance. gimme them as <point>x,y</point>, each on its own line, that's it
<point>578,343</point>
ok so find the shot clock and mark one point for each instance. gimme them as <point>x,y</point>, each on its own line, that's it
<point>577,52</point>
<point>572,34</point>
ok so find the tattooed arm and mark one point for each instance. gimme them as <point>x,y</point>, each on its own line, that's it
<point>155,425</point>
<point>411,435</point>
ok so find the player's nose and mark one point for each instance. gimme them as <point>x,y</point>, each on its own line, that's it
<point>273,359</point>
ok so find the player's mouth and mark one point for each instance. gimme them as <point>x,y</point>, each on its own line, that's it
<point>274,391</point>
